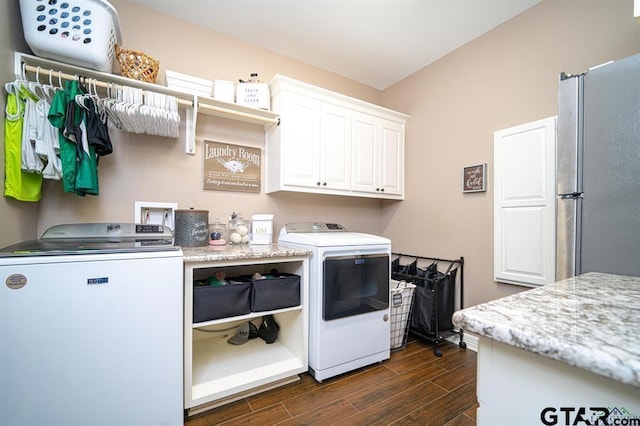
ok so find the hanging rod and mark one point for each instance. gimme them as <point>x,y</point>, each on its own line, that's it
<point>61,75</point>
<point>192,103</point>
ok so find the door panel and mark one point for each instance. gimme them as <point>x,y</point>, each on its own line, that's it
<point>524,203</point>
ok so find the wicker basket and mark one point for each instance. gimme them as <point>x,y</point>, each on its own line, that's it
<point>137,65</point>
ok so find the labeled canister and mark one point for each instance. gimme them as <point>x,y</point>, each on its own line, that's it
<point>192,227</point>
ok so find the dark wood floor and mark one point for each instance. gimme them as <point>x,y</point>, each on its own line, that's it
<point>413,387</point>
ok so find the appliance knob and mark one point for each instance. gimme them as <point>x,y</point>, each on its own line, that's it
<point>113,227</point>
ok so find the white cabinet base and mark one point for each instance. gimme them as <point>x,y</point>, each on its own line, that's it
<point>236,397</point>
<point>515,386</point>
<point>216,372</point>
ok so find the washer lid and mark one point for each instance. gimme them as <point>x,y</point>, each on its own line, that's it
<point>95,238</point>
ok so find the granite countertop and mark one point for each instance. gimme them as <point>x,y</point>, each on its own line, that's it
<point>591,322</point>
<point>239,252</point>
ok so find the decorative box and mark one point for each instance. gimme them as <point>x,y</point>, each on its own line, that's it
<point>254,95</point>
<point>188,83</point>
<point>261,229</point>
<point>224,90</point>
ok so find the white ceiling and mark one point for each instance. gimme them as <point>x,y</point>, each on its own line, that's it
<point>375,42</point>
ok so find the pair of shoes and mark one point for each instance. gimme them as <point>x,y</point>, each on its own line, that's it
<point>269,328</point>
<point>268,331</point>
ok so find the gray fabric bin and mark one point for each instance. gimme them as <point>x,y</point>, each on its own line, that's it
<point>224,301</point>
<point>279,292</point>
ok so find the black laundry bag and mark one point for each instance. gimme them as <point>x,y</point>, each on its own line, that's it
<point>403,272</point>
<point>423,319</point>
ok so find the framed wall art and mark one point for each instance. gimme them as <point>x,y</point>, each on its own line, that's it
<point>474,178</point>
<point>229,167</point>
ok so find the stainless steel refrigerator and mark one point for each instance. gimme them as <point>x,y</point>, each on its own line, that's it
<point>598,170</point>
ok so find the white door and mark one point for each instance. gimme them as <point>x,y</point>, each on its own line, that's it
<point>524,203</point>
<point>365,153</point>
<point>391,157</point>
<point>335,148</point>
<point>301,140</point>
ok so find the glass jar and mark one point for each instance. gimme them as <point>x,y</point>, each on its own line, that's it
<point>217,233</point>
<point>239,230</point>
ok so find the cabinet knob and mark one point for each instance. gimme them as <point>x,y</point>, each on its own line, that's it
<point>382,190</point>
<point>324,184</point>
<point>318,183</point>
<point>378,189</point>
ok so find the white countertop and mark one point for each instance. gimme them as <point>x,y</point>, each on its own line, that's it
<point>239,252</point>
<point>591,322</point>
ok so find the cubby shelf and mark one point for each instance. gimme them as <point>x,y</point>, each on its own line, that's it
<point>216,372</point>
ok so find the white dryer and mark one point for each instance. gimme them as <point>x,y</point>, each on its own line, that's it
<point>349,315</point>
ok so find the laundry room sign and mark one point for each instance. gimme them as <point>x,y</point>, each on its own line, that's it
<point>229,167</point>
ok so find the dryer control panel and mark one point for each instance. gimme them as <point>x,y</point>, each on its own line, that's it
<point>313,227</point>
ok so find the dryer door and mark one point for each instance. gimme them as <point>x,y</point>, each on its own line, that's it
<point>355,285</point>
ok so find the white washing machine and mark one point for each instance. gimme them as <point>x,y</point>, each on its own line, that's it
<point>349,316</point>
<point>91,327</point>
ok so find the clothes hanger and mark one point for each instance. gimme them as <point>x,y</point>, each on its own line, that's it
<point>22,86</point>
<point>35,85</point>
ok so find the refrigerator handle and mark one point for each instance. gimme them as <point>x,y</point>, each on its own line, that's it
<point>569,134</point>
<point>571,196</point>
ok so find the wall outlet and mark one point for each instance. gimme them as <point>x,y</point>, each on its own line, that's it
<point>147,212</point>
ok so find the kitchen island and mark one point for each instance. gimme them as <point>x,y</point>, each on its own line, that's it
<point>217,372</point>
<point>564,353</point>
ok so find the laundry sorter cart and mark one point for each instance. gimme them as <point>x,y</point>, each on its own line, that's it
<point>438,282</point>
<point>401,306</point>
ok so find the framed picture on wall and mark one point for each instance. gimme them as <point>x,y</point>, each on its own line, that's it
<point>474,178</point>
<point>229,167</point>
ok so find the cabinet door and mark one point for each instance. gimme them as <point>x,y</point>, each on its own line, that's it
<point>524,203</point>
<point>301,140</point>
<point>391,157</point>
<point>365,153</point>
<point>335,148</point>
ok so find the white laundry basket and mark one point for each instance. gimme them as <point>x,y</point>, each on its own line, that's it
<point>77,32</point>
<point>401,305</point>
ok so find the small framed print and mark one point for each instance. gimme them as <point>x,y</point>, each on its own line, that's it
<point>474,178</point>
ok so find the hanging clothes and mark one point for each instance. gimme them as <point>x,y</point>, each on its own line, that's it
<point>18,184</point>
<point>47,144</point>
<point>31,162</point>
<point>56,117</point>
<point>79,160</point>
<point>97,131</point>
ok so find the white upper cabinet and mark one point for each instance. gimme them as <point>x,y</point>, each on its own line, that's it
<point>378,156</point>
<point>391,162</point>
<point>366,153</point>
<point>329,143</point>
<point>300,140</point>
<point>524,203</point>
<point>335,147</point>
